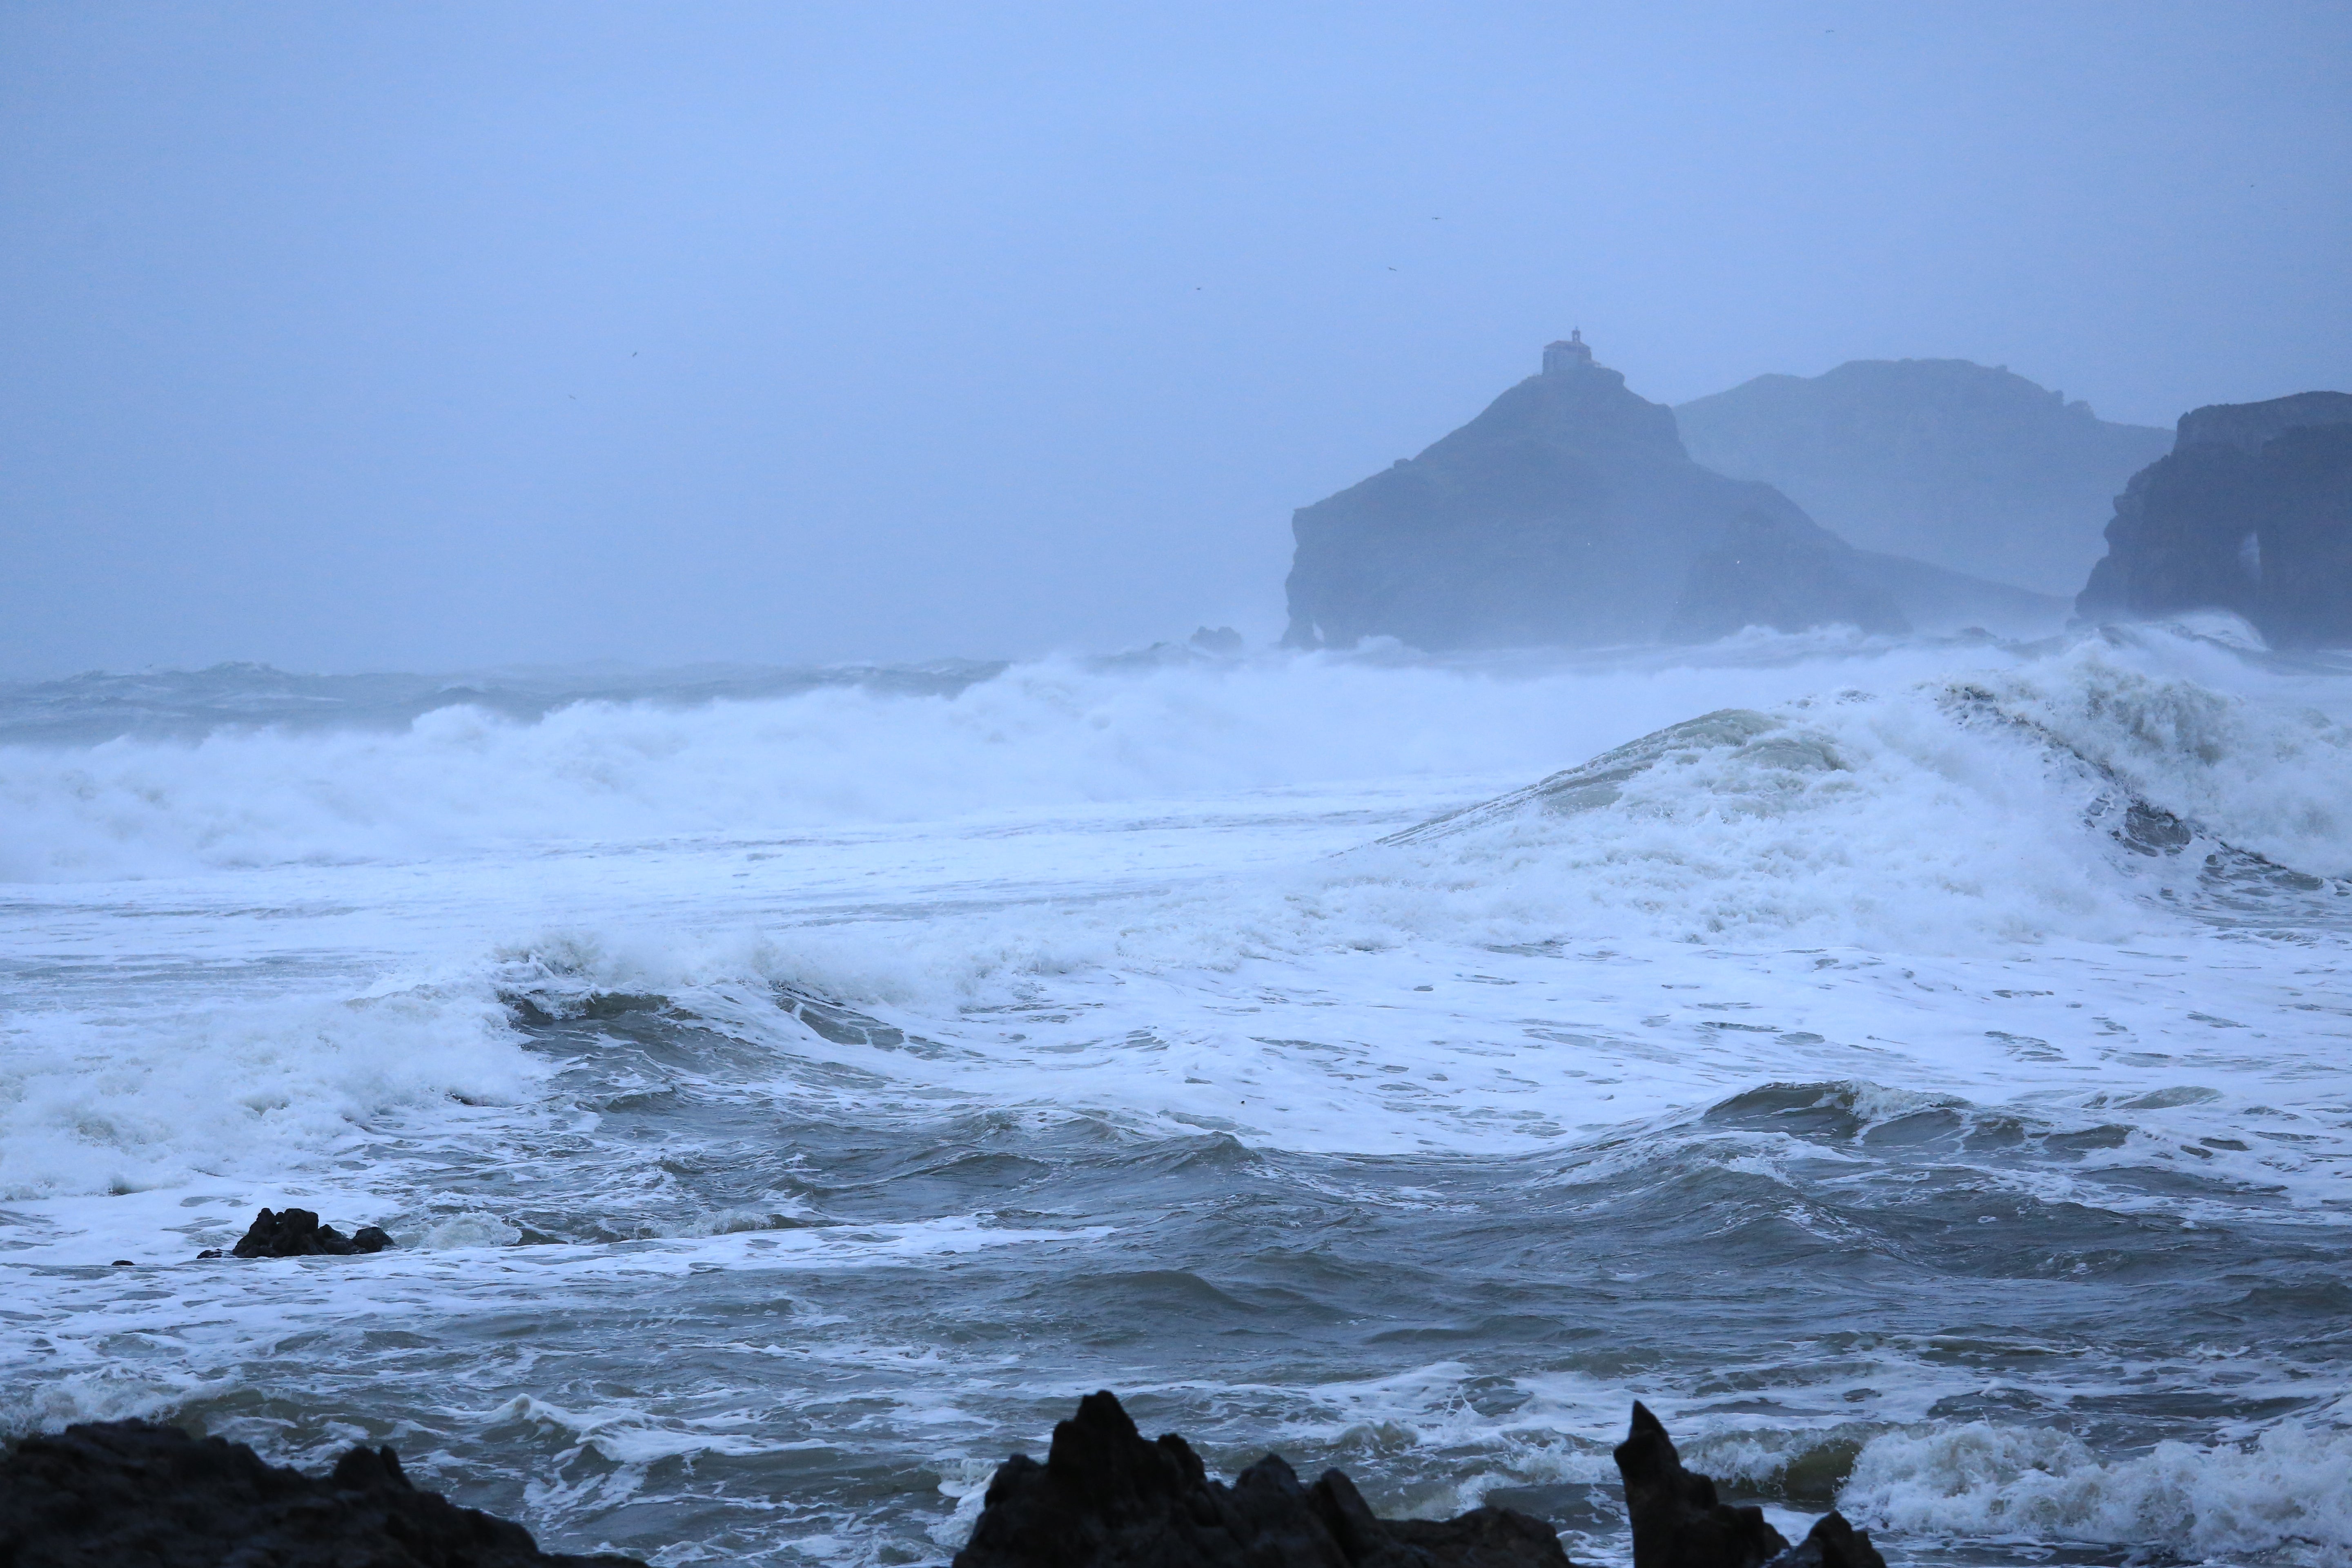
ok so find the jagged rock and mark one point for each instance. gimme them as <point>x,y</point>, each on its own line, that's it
<point>1680,1522</point>
<point>1106,1498</point>
<point>1569,513</point>
<point>297,1233</point>
<point>2251,512</point>
<point>131,1492</point>
<point>1830,1543</point>
<point>1967,465</point>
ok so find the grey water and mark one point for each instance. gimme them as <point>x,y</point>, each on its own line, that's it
<point>2029,1250</point>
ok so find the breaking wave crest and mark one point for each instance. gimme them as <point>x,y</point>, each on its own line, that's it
<point>2288,1490</point>
<point>2197,729</point>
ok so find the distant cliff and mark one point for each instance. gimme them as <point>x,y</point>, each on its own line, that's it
<point>1971,469</point>
<point>1568,514</point>
<point>2250,511</point>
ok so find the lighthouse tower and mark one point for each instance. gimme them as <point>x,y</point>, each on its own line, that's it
<point>1574,353</point>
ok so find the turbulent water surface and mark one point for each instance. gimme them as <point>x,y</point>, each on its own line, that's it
<point>1920,1072</point>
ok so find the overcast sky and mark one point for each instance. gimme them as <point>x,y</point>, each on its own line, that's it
<point>347,337</point>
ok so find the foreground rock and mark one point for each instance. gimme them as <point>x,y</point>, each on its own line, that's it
<point>133,1492</point>
<point>2251,512</point>
<point>297,1233</point>
<point>1967,465</point>
<point>1568,514</point>
<point>1679,1522</point>
<point>1106,1498</point>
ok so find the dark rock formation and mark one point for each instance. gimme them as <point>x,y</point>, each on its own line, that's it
<point>1830,1543</point>
<point>1106,1498</point>
<point>1679,1522</point>
<point>297,1233</point>
<point>1569,513</point>
<point>1971,469</point>
<point>130,1492</point>
<point>2251,513</point>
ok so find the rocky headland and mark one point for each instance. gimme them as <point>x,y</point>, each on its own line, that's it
<point>1569,513</point>
<point>1967,467</point>
<point>2251,512</point>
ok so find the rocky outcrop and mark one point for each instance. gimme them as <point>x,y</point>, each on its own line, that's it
<point>136,1492</point>
<point>1679,1522</point>
<point>1568,513</point>
<point>297,1233</point>
<point>133,1492</point>
<point>2250,512</point>
<point>1969,467</point>
<point>1107,1499</point>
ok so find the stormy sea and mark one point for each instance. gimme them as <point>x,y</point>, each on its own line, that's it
<point>1920,1070</point>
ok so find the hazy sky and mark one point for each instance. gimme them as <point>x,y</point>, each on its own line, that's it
<point>345,336</point>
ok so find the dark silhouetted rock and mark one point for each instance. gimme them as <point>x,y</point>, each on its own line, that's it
<point>1568,514</point>
<point>130,1492</point>
<point>1969,467</point>
<point>1830,1543</point>
<point>1483,1538</point>
<point>1678,1522</point>
<point>1107,1499</point>
<point>2250,512</point>
<point>297,1233</point>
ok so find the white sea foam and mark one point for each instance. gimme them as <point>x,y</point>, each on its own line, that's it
<point>1045,734</point>
<point>135,1099</point>
<point>1885,820</point>
<point>1042,735</point>
<point>2289,1487</point>
<point>270,966</point>
<point>1881,820</point>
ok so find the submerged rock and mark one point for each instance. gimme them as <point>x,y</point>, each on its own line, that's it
<point>2251,512</point>
<point>1680,1522</point>
<point>1107,1499</point>
<point>135,1492</point>
<point>297,1233</point>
